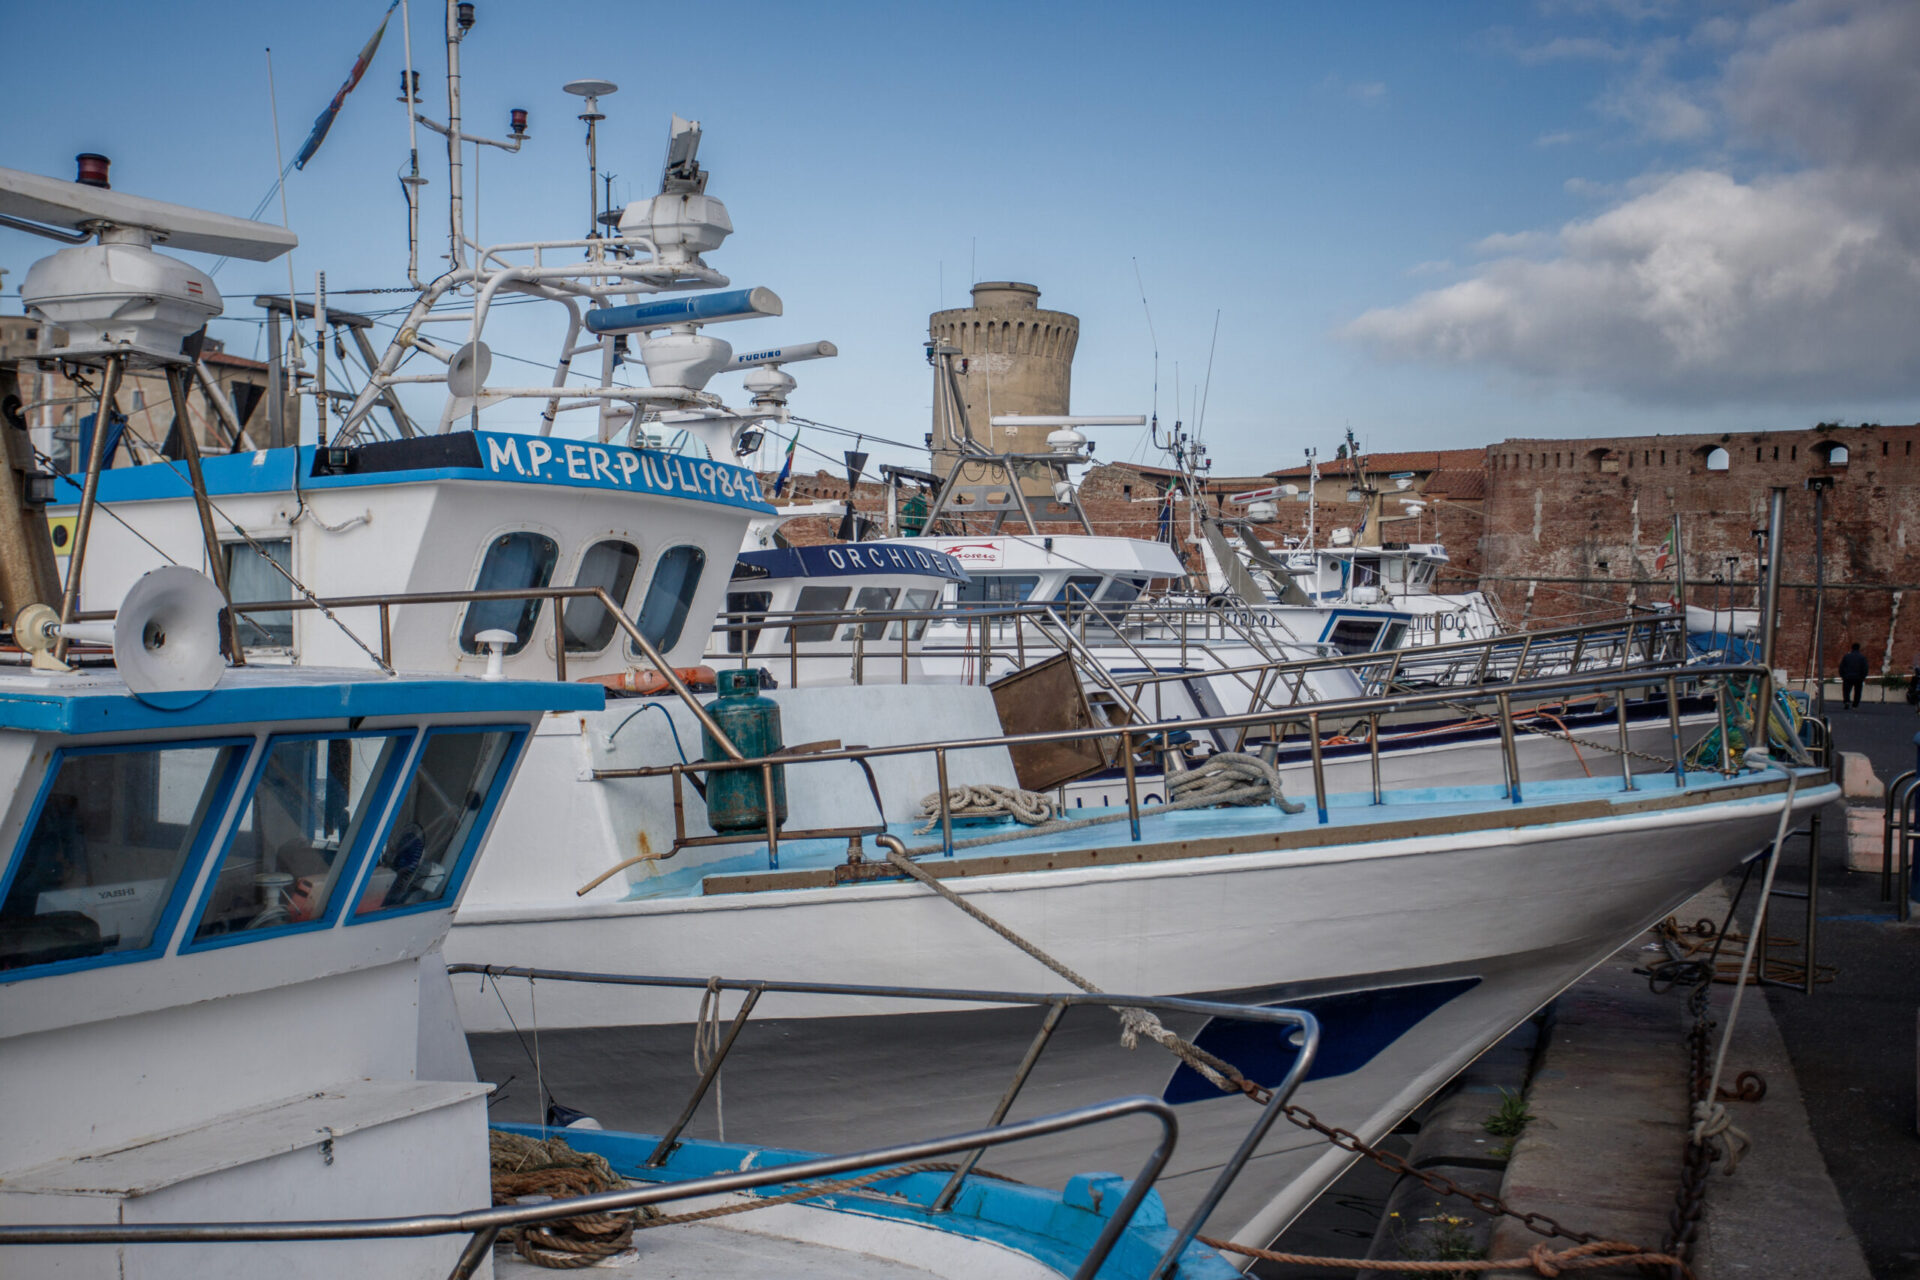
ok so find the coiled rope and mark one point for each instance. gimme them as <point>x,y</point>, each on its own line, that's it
<point>1592,1256</point>
<point>527,1166</point>
<point>1225,778</point>
<point>524,1166</point>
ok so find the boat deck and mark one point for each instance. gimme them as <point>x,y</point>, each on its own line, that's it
<point>1350,818</point>
<point>700,1251</point>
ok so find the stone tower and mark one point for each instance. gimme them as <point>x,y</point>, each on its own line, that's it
<point>1006,356</point>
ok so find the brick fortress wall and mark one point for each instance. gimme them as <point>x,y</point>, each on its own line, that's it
<point>1600,510</point>
<point>1566,531</point>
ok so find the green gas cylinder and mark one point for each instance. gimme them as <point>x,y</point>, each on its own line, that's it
<point>737,798</point>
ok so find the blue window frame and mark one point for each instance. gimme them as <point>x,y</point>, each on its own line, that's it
<point>111,851</point>
<point>442,815</point>
<point>663,614</point>
<point>313,805</point>
<point>519,559</point>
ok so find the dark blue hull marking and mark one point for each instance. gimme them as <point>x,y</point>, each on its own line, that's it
<point>1355,1026</point>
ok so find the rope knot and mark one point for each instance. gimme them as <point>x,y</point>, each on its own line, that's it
<point>1543,1260</point>
<point>1714,1129</point>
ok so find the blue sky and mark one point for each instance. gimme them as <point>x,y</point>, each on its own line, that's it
<point>1443,224</point>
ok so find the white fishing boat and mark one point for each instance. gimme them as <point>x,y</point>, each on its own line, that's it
<point>443,553</point>
<point>223,893</point>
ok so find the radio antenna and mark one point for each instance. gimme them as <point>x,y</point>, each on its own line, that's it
<point>1156,342</point>
<point>1200,420</point>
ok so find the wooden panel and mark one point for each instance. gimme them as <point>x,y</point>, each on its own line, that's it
<point>1047,698</point>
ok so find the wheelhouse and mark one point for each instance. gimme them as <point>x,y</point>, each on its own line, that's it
<point>800,611</point>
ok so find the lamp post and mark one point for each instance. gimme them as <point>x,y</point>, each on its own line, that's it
<point>1819,485</point>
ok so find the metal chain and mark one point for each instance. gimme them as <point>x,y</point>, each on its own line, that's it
<point>1690,1198</point>
<point>1440,1184</point>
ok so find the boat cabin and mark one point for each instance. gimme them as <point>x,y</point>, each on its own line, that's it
<point>221,992</point>
<point>834,579</point>
<point>456,512</point>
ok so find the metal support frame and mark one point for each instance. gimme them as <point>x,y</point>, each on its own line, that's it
<point>1305,1035</point>
<point>483,1226</point>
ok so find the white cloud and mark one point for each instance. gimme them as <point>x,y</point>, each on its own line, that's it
<point>1558,49</point>
<point>1368,92</point>
<point>1516,242</point>
<point>1560,139</point>
<point>1708,286</point>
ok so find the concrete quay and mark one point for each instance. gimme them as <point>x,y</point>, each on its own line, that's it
<point>1609,1101</point>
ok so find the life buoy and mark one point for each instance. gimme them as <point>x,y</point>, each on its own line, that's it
<point>646,681</point>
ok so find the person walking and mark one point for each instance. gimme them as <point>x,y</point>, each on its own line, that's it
<point>1853,676</point>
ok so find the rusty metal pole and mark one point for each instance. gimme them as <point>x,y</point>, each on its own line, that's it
<point>1770,617</point>
<point>89,491</point>
<point>1819,662</point>
<point>178,377</point>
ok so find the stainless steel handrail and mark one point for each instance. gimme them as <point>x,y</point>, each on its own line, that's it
<point>1313,714</point>
<point>484,1226</point>
<point>1306,1028</point>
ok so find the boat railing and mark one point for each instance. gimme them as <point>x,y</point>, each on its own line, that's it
<point>1629,644</point>
<point>1300,1027</point>
<point>1897,833</point>
<point>1134,738</point>
<point>483,1226</point>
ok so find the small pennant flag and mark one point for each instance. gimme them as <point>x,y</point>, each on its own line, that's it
<point>325,122</point>
<point>1665,555</point>
<point>786,468</point>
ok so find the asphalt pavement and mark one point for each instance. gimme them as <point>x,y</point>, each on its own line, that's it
<point>1852,1043</point>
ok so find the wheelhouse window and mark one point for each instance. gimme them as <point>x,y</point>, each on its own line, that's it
<point>989,589</point>
<point>312,806</point>
<point>1077,592</point>
<point>252,575</point>
<point>438,821</point>
<point>99,871</point>
<point>1355,635</point>
<point>915,600</point>
<point>663,615</point>
<point>873,600</point>
<point>519,559</point>
<point>608,565</point>
<point>818,600</point>
<point>749,609</point>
